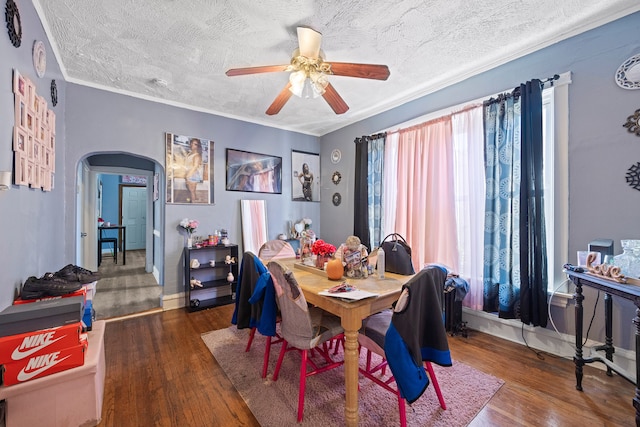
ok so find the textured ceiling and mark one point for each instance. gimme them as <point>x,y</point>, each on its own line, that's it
<point>128,45</point>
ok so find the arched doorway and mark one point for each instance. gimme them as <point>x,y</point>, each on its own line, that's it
<point>103,178</point>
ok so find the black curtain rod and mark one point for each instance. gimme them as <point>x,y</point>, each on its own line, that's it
<point>550,79</point>
<point>367,138</point>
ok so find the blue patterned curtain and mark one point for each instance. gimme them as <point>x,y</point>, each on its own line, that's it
<point>375,188</point>
<point>502,207</point>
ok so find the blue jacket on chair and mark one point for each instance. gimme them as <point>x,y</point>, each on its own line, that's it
<point>417,332</point>
<point>255,297</point>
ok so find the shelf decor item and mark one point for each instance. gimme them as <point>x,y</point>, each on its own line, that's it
<point>213,282</point>
<point>190,225</point>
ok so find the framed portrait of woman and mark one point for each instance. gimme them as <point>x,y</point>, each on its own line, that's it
<point>305,176</point>
<point>189,167</point>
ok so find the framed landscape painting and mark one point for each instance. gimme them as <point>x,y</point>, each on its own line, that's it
<point>253,172</point>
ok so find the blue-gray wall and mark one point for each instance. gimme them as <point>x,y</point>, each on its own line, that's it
<point>91,121</point>
<point>32,237</point>
<point>601,204</point>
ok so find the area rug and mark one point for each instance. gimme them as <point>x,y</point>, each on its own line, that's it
<point>274,403</point>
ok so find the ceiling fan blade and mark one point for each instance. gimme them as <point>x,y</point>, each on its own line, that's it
<point>309,42</point>
<point>280,100</point>
<point>364,71</point>
<point>255,70</point>
<point>334,100</point>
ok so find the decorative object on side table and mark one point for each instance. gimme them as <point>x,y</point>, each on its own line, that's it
<point>190,226</point>
<point>14,25</point>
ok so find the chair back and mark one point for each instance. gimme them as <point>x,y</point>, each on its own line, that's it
<point>276,249</point>
<point>245,313</point>
<point>296,325</point>
<point>417,315</point>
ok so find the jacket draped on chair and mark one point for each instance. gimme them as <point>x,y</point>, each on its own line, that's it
<point>417,332</point>
<point>256,305</point>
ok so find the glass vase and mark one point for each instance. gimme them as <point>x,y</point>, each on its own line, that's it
<point>305,250</point>
<point>321,260</point>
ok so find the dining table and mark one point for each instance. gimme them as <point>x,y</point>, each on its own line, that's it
<point>313,280</point>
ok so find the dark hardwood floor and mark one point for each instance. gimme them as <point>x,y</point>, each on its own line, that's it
<point>159,373</point>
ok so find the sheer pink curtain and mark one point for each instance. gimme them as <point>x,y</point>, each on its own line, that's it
<point>468,149</point>
<point>425,209</point>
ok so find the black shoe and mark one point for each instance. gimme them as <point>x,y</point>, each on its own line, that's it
<point>47,286</point>
<point>73,273</point>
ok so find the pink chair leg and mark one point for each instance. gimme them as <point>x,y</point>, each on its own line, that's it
<point>403,411</point>
<point>436,386</point>
<point>251,334</point>
<point>303,385</point>
<point>265,364</point>
<point>283,350</point>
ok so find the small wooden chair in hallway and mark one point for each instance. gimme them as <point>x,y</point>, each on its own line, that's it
<point>108,240</point>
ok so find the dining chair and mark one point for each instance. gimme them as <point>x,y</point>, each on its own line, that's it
<point>276,249</point>
<point>303,328</point>
<point>409,338</point>
<point>256,306</point>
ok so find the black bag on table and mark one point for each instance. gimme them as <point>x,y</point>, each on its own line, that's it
<point>397,255</point>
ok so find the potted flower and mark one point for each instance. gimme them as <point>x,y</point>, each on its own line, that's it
<point>190,225</point>
<point>323,251</point>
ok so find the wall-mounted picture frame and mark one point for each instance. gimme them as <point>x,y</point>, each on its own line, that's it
<point>189,166</point>
<point>305,176</point>
<point>19,140</point>
<point>20,177</point>
<point>253,172</point>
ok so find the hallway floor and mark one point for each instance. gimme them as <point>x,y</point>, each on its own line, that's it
<point>125,289</point>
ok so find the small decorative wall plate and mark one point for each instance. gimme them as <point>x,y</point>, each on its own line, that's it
<point>336,177</point>
<point>14,26</point>
<point>628,74</point>
<point>336,155</point>
<point>633,176</point>
<point>54,93</point>
<point>337,199</point>
<point>633,123</point>
<point>39,58</point>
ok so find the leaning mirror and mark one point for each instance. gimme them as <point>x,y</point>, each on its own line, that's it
<point>254,224</point>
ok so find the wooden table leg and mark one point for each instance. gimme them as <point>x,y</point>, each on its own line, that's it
<point>351,323</point>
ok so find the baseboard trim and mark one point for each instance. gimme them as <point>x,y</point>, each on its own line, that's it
<point>547,340</point>
<point>173,301</point>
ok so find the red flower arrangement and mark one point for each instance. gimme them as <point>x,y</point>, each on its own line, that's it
<point>322,248</point>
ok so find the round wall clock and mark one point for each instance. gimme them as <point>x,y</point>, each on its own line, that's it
<point>336,178</point>
<point>336,155</point>
<point>628,74</point>
<point>54,93</point>
<point>14,26</point>
<point>39,58</point>
<point>337,199</point>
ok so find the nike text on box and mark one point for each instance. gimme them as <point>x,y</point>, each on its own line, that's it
<point>44,364</point>
<point>80,292</point>
<point>14,348</point>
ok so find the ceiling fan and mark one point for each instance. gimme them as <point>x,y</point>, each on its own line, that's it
<point>309,73</point>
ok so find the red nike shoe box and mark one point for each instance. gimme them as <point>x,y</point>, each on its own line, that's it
<point>44,364</point>
<point>14,348</point>
<point>80,292</point>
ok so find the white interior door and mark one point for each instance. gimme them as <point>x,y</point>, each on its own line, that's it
<point>134,216</point>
